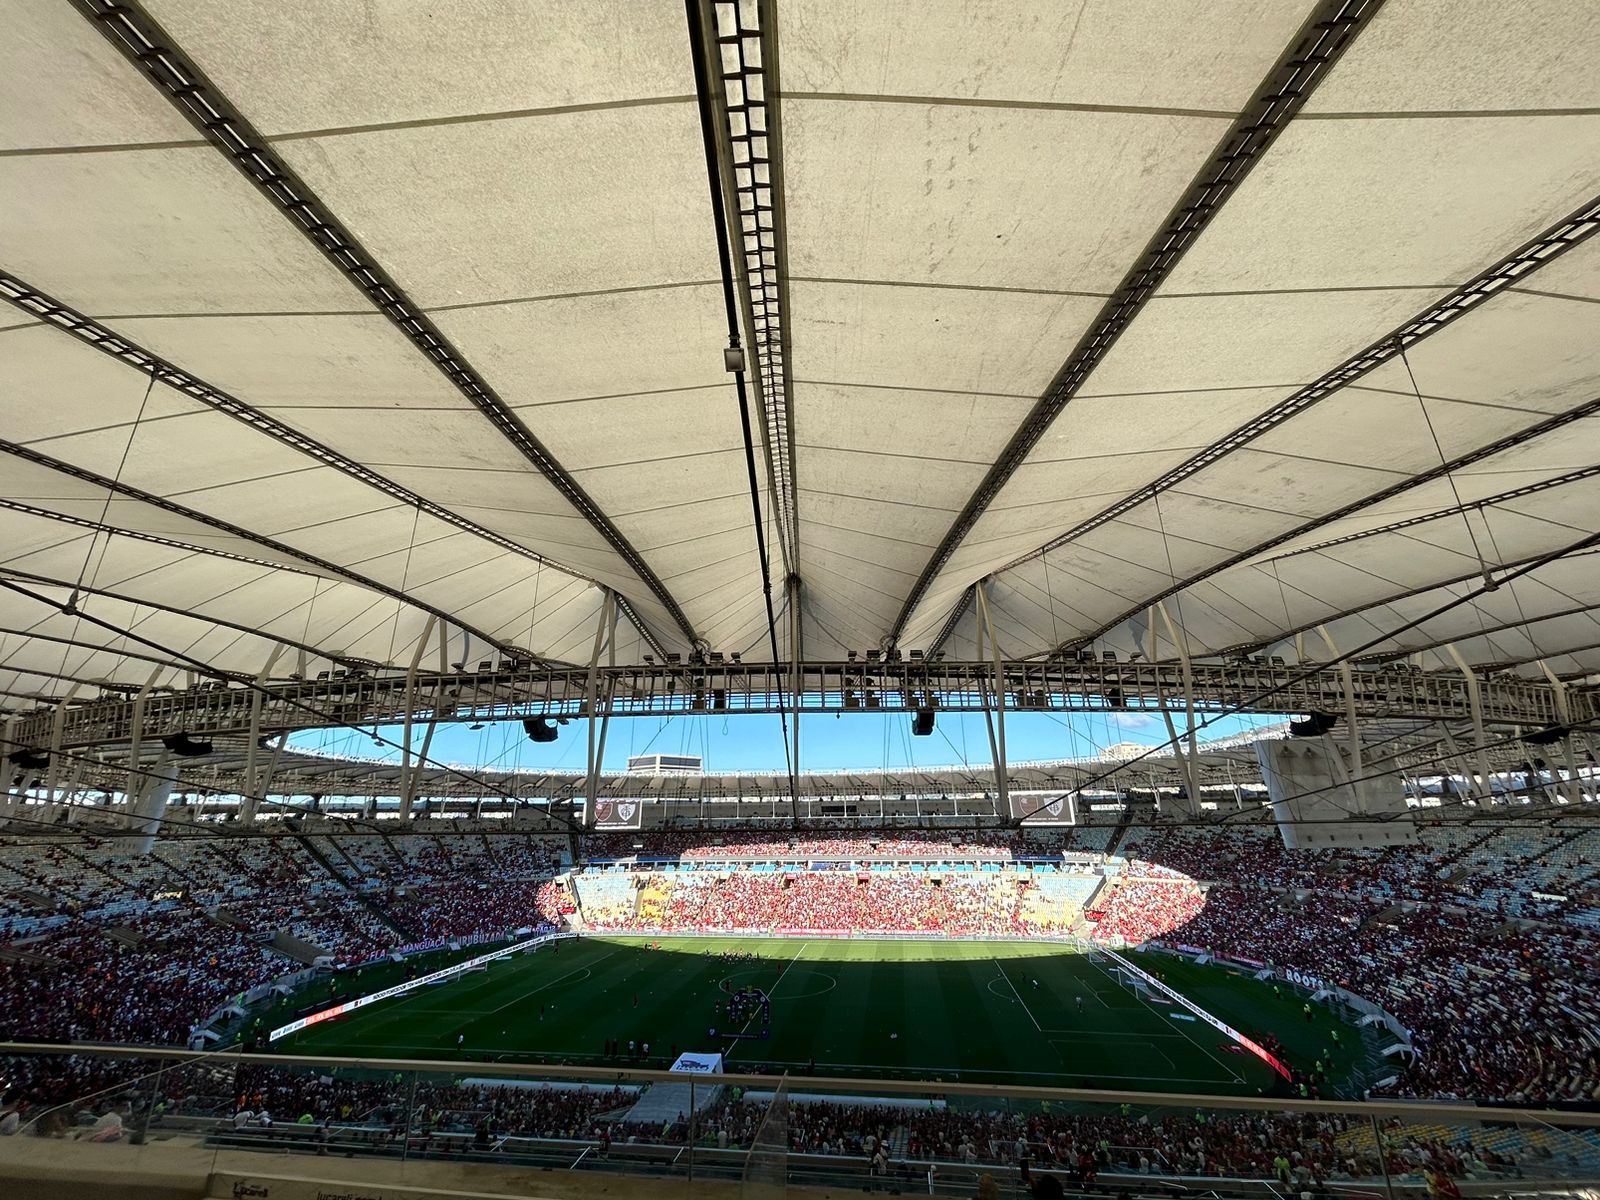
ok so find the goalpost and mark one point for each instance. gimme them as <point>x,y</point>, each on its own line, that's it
<point>1132,982</point>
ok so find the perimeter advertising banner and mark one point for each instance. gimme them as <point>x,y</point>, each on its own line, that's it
<point>618,814</point>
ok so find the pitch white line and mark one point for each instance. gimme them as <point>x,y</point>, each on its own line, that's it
<point>549,983</point>
<point>728,1053</point>
<point>1228,1070</point>
<point>1018,995</point>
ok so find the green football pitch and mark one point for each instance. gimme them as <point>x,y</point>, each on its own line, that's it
<point>993,1012</point>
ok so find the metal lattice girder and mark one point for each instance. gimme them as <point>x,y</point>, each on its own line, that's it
<point>827,687</point>
<point>1290,83</point>
<point>744,59</point>
<point>312,564</point>
<point>94,333</point>
<point>1547,247</point>
<point>141,39</point>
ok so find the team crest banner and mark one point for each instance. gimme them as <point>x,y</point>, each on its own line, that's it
<point>618,814</point>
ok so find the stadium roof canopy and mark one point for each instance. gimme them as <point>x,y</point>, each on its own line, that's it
<point>1259,324</point>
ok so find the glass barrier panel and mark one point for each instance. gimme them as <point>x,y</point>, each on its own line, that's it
<point>249,1113</point>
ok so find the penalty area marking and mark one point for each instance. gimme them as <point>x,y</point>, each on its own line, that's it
<point>1062,1046</point>
<point>1010,997</point>
<point>585,972</point>
<point>1232,1074</point>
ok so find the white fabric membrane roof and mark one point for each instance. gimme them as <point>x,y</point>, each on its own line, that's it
<point>960,190</point>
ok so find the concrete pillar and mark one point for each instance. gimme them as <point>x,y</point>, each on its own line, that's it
<point>149,805</point>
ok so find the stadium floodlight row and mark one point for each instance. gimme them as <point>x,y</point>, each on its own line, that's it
<point>514,692</point>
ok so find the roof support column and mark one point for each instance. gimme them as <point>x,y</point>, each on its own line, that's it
<point>1347,679</point>
<point>135,778</point>
<point>147,805</point>
<point>410,793</point>
<point>1186,749</point>
<point>796,680</point>
<point>407,787</point>
<point>1574,789</point>
<point>1475,703</point>
<point>72,810</point>
<point>251,800</point>
<point>1457,762</point>
<point>995,722</point>
<point>263,787</point>
<point>605,638</point>
<point>15,796</point>
<point>57,724</point>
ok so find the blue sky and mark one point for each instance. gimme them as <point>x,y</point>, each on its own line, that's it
<point>753,742</point>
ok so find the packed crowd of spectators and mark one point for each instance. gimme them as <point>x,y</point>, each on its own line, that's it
<point>106,946</point>
<point>1512,873</point>
<point>1496,1004</point>
<point>1132,911</point>
<point>103,945</point>
<point>437,911</point>
<point>1129,911</point>
<point>965,904</point>
<point>80,984</point>
<point>976,845</point>
<point>1493,1010</point>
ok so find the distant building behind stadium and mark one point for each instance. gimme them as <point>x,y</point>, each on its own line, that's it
<point>664,764</point>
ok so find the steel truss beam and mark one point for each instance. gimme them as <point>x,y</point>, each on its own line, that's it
<point>827,687</point>
<point>1515,267</point>
<point>312,564</point>
<point>52,311</point>
<point>1306,62</point>
<point>1416,751</point>
<point>85,589</point>
<point>153,539</point>
<point>1499,446</point>
<point>1484,631</point>
<point>1527,565</point>
<point>1541,656</point>
<point>1499,498</point>
<point>98,648</point>
<point>153,52</point>
<point>742,53</point>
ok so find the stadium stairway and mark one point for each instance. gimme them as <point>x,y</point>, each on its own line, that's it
<point>15,953</point>
<point>394,850</point>
<point>35,899</point>
<point>94,868</point>
<point>322,860</point>
<point>300,950</point>
<point>222,915</point>
<point>1124,822</point>
<point>665,1102</point>
<point>344,881</point>
<point>349,874</point>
